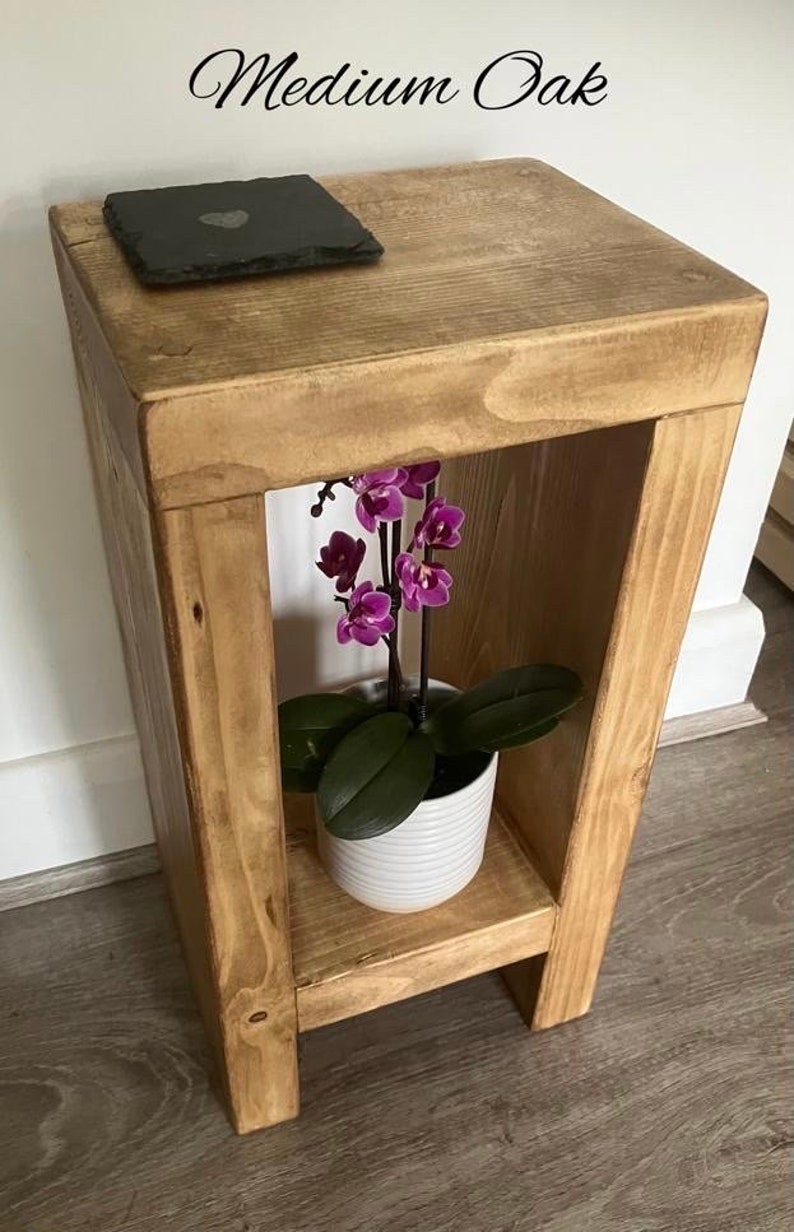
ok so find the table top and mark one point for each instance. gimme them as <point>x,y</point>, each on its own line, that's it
<point>474,252</point>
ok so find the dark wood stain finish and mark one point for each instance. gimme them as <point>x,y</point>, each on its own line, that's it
<point>667,1111</point>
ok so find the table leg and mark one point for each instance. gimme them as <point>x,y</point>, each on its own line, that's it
<point>212,563</point>
<point>686,467</point>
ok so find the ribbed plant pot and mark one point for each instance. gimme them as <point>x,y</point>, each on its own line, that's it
<point>425,860</point>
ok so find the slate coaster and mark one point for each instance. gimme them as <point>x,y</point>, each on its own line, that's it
<point>201,232</point>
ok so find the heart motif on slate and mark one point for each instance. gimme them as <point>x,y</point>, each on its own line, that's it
<point>230,220</point>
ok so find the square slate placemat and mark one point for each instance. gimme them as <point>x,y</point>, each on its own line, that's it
<point>200,232</point>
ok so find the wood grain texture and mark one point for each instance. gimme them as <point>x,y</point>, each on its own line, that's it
<point>227,823</point>
<point>349,959</point>
<point>681,489</point>
<point>477,250</point>
<point>214,581</point>
<point>667,1110</point>
<point>513,305</point>
<point>494,328</point>
<point>126,532</point>
<point>548,528</point>
<point>439,404</point>
<point>118,404</point>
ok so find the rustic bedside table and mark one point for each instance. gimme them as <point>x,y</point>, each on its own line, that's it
<point>586,374</point>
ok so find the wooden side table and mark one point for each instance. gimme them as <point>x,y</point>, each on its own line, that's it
<point>585,373</point>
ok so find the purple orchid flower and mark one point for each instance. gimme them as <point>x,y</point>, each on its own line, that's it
<point>379,496</point>
<point>423,583</point>
<point>418,477</point>
<point>368,617</point>
<point>341,559</point>
<point>439,525</point>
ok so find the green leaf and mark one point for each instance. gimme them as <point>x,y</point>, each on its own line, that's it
<point>511,708</point>
<point>375,777</point>
<point>524,734</point>
<point>310,728</point>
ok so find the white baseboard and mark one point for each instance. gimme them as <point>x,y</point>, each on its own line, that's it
<point>140,861</point>
<point>87,803</point>
<point>718,657</point>
<point>73,805</point>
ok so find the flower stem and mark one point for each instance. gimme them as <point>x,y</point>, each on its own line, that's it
<point>395,671</point>
<point>326,493</point>
<point>424,661</point>
<point>383,535</point>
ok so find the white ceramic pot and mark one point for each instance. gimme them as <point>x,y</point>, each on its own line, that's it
<point>425,860</point>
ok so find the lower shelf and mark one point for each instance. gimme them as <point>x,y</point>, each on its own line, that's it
<point>348,959</point>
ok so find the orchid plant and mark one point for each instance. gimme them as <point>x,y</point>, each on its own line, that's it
<point>371,763</point>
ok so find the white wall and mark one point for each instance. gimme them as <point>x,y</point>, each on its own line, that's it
<point>695,135</point>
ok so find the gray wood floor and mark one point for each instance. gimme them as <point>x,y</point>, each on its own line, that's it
<point>666,1109</point>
